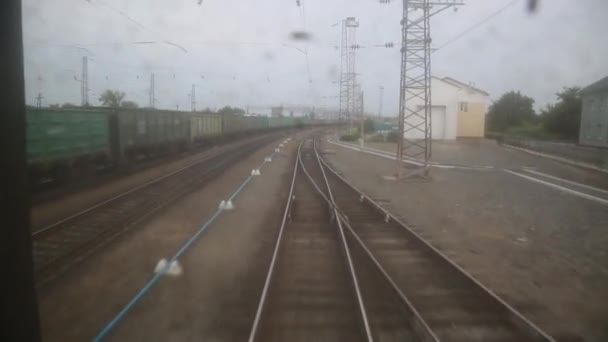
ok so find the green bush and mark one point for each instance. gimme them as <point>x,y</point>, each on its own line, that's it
<point>392,137</point>
<point>533,131</point>
<point>368,126</point>
<point>350,137</point>
<point>376,138</point>
<point>499,137</point>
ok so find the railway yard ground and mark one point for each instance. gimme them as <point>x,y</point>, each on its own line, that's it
<point>531,230</point>
<point>63,205</point>
<point>216,271</point>
<point>542,249</point>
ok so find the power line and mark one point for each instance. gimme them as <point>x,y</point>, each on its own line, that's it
<point>476,25</point>
<point>137,23</point>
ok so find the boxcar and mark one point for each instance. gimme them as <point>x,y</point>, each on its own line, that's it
<point>236,124</point>
<point>204,126</point>
<point>144,133</point>
<point>59,140</point>
<point>280,122</point>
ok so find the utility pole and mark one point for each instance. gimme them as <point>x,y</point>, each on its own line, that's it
<point>193,98</point>
<point>84,84</point>
<point>152,94</point>
<point>39,100</point>
<point>415,84</point>
<point>381,88</point>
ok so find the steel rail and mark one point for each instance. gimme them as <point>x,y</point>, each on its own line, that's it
<point>214,154</point>
<point>264,295</point>
<point>53,259</point>
<point>351,265</point>
<point>516,317</point>
<point>271,269</point>
<point>418,323</point>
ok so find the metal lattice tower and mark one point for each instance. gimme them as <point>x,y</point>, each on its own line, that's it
<point>39,100</point>
<point>343,94</point>
<point>415,126</point>
<point>193,98</point>
<point>84,84</point>
<point>152,94</point>
<point>353,87</point>
<point>348,74</point>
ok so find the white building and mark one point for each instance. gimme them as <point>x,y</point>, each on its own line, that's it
<point>458,110</point>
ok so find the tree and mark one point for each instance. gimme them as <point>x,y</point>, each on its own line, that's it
<point>564,117</point>
<point>512,109</point>
<point>227,110</point>
<point>129,104</point>
<point>68,105</point>
<point>112,98</point>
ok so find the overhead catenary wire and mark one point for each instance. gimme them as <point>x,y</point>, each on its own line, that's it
<point>476,25</point>
<point>302,13</point>
<point>135,22</point>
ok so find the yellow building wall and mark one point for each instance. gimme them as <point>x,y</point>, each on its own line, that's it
<point>471,124</point>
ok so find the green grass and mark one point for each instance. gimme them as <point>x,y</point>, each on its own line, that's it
<point>533,131</point>
<point>350,137</point>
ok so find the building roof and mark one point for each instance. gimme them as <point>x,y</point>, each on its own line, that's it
<point>464,85</point>
<point>596,87</point>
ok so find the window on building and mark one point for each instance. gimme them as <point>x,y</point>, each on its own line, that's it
<point>463,107</point>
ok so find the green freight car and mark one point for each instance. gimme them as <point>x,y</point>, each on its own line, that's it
<point>64,143</point>
<point>61,140</point>
<point>279,122</point>
<point>237,124</point>
<point>148,132</point>
<point>204,127</point>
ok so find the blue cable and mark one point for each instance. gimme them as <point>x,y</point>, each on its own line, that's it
<point>123,312</point>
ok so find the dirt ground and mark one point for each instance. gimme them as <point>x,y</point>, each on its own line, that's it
<point>544,251</point>
<point>221,271</point>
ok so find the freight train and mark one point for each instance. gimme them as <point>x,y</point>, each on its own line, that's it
<point>64,143</point>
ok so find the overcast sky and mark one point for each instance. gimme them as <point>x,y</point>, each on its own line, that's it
<point>239,52</point>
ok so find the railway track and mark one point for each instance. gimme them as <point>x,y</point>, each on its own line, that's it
<point>59,246</point>
<point>310,294</point>
<point>345,269</point>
